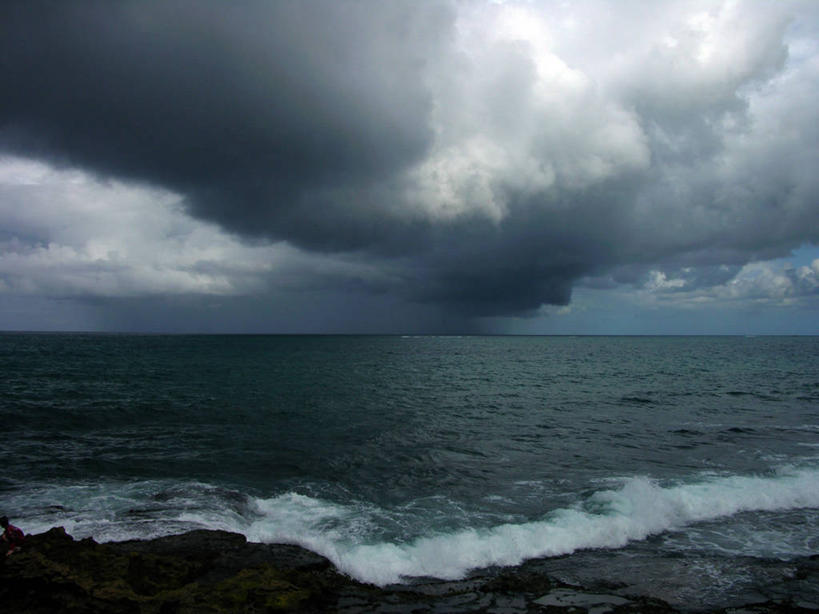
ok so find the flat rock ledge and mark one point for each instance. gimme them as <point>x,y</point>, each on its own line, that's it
<point>204,572</point>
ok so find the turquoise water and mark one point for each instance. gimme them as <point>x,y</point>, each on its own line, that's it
<point>412,456</point>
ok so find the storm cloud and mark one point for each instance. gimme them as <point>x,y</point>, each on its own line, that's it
<point>484,157</point>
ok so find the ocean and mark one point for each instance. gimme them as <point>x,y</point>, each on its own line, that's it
<point>686,463</point>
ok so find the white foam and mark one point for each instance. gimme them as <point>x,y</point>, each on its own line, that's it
<point>610,519</point>
<point>355,536</point>
<point>117,511</point>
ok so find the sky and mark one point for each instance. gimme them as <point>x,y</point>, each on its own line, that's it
<point>420,166</point>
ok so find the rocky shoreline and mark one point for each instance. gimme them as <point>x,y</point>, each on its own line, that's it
<point>206,572</point>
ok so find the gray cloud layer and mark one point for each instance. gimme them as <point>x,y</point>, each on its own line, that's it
<point>487,156</point>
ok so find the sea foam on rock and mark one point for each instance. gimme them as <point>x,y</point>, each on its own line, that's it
<point>201,571</point>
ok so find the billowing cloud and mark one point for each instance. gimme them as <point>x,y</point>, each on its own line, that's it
<point>759,282</point>
<point>70,235</point>
<point>482,157</point>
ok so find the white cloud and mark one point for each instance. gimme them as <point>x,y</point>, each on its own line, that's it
<point>67,234</point>
<point>772,283</point>
<point>512,117</point>
<point>658,281</point>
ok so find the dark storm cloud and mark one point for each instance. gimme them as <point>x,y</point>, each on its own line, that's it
<point>241,106</point>
<point>484,157</point>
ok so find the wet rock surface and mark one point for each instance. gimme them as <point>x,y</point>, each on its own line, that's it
<point>214,572</point>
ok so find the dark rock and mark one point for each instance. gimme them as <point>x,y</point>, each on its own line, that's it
<point>202,571</point>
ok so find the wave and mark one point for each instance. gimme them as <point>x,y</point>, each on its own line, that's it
<point>608,519</point>
<point>358,537</point>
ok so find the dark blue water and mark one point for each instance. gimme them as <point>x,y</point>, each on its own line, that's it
<point>399,457</point>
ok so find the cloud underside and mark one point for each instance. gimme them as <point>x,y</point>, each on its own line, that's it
<point>481,157</point>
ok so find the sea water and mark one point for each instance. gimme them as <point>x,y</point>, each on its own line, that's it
<point>406,457</point>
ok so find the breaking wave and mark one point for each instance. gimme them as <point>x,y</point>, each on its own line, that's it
<point>360,539</point>
<point>608,519</point>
